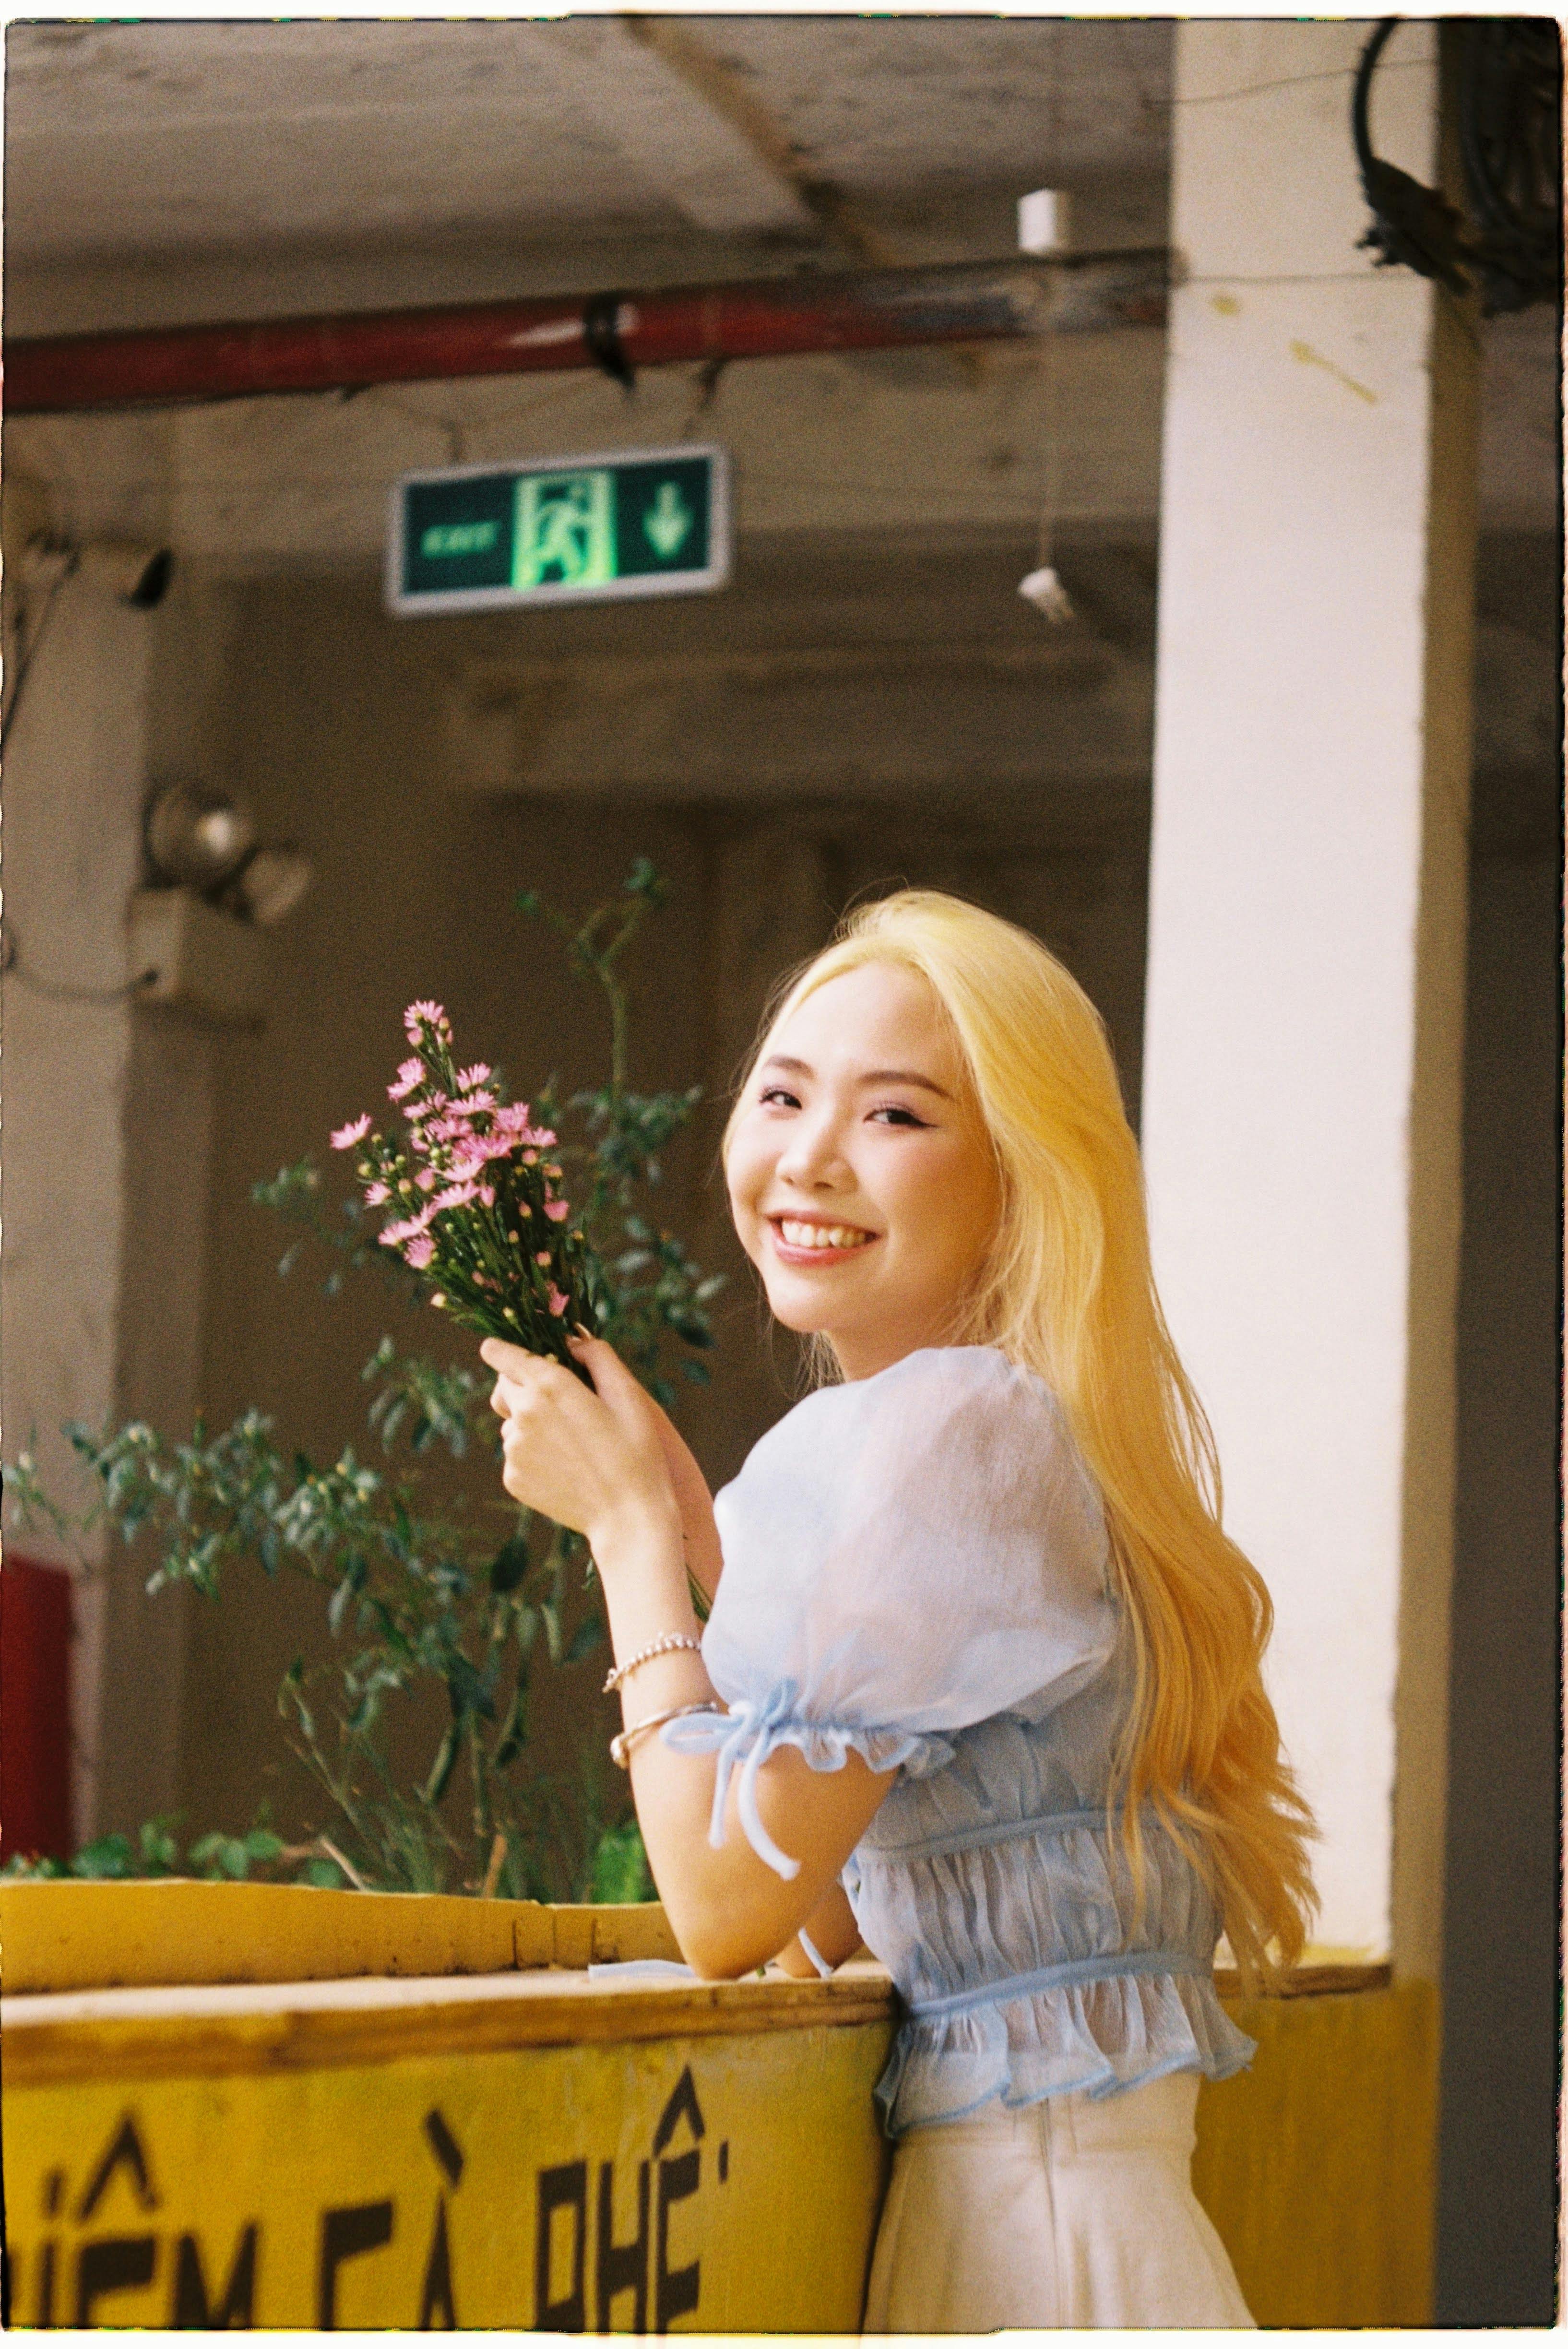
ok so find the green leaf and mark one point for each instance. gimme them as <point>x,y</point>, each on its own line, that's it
<point>620,1870</point>
<point>220,1854</point>
<point>111,1858</point>
<point>514,1729</point>
<point>589,1632</point>
<point>348,1590</point>
<point>442,1768</point>
<point>469,1692</point>
<point>160,1851</point>
<point>323,1875</point>
<point>509,1565</point>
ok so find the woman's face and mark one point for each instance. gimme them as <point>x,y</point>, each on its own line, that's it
<point>861,1179</point>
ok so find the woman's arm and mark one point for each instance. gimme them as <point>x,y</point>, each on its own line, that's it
<point>833,1933</point>
<point>693,1500</point>
<point>597,1462</point>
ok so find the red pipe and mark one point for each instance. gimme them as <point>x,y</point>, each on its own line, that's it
<point>767,318</point>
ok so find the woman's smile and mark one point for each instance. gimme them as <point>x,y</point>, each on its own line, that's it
<point>798,1240</point>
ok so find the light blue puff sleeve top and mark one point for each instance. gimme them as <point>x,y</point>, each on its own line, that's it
<point>916,1570</point>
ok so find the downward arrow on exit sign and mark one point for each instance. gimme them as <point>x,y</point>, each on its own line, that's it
<point>667,521</point>
<point>645,521</point>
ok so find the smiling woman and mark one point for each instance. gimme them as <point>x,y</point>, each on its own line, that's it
<point>981,1679</point>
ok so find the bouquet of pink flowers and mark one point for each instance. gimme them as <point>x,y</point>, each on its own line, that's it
<point>476,1205</point>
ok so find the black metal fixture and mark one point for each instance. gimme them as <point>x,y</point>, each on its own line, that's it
<point>1509,245</point>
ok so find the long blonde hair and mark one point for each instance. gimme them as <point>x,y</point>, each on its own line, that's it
<point>1067,1290</point>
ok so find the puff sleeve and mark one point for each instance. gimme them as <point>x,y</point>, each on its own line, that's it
<point>903,1556</point>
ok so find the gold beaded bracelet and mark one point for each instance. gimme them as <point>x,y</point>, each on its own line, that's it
<point>665,1647</point>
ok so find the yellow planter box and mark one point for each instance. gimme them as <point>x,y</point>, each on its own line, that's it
<point>233,2103</point>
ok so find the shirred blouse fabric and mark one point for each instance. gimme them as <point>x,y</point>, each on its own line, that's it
<point>916,1570</point>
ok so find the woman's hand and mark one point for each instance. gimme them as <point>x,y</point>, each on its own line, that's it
<point>591,1460</point>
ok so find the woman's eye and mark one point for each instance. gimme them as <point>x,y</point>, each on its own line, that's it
<point>896,1114</point>
<point>776,1097</point>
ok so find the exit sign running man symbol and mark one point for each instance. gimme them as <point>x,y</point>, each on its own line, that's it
<point>475,537</point>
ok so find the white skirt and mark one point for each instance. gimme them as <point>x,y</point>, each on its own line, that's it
<point>1070,2211</point>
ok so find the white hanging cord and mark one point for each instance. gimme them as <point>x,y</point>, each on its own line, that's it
<point>1041,227</point>
<point>1041,586</point>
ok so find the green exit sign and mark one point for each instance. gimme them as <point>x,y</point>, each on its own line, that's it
<point>645,521</point>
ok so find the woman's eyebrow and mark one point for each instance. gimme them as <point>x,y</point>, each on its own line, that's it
<point>868,1077</point>
<point>905,1076</point>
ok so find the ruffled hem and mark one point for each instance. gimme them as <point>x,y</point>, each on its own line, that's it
<point>750,1731</point>
<point>1099,2037</point>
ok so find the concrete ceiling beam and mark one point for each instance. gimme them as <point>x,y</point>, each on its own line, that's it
<point>678,118</point>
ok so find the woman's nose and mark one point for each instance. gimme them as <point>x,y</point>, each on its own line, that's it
<point>814,1152</point>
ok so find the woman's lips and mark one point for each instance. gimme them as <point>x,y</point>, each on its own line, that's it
<point>800,1240</point>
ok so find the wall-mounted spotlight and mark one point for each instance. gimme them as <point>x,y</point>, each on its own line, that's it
<point>214,886</point>
<point>201,840</point>
<point>196,837</point>
<point>271,881</point>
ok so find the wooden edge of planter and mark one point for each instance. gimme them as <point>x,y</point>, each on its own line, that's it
<point>51,2040</point>
<point>62,1935</point>
<point>1314,1977</point>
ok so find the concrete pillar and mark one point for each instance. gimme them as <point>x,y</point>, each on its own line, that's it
<point>1307,914</point>
<point>108,1122</point>
<point>74,784</point>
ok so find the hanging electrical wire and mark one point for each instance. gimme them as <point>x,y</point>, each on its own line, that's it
<point>1510,144</point>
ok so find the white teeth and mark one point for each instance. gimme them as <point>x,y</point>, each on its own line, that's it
<point>820,1236</point>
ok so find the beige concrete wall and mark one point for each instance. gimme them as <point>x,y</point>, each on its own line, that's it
<point>334,733</point>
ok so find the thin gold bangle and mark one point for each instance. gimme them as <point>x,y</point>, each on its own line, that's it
<point>621,1745</point>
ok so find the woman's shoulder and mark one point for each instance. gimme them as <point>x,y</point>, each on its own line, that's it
<point>963,1420</point>
<point>933,1383</point>
<point>924,1545</point>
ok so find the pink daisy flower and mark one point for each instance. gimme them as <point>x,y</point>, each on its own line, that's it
<point>419,1251</point>
<point>476,1150</point>
<point>557,1210</point>
<point>558,1302</point>
<point>376,1195</point>
<point>411,1073</point>
<point>467,1079</point>
<point>423,1015</point>
<point>460,1194</point>
<point>443,1129</point>
<point>347,1136</point>
<point>394,1234</point>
